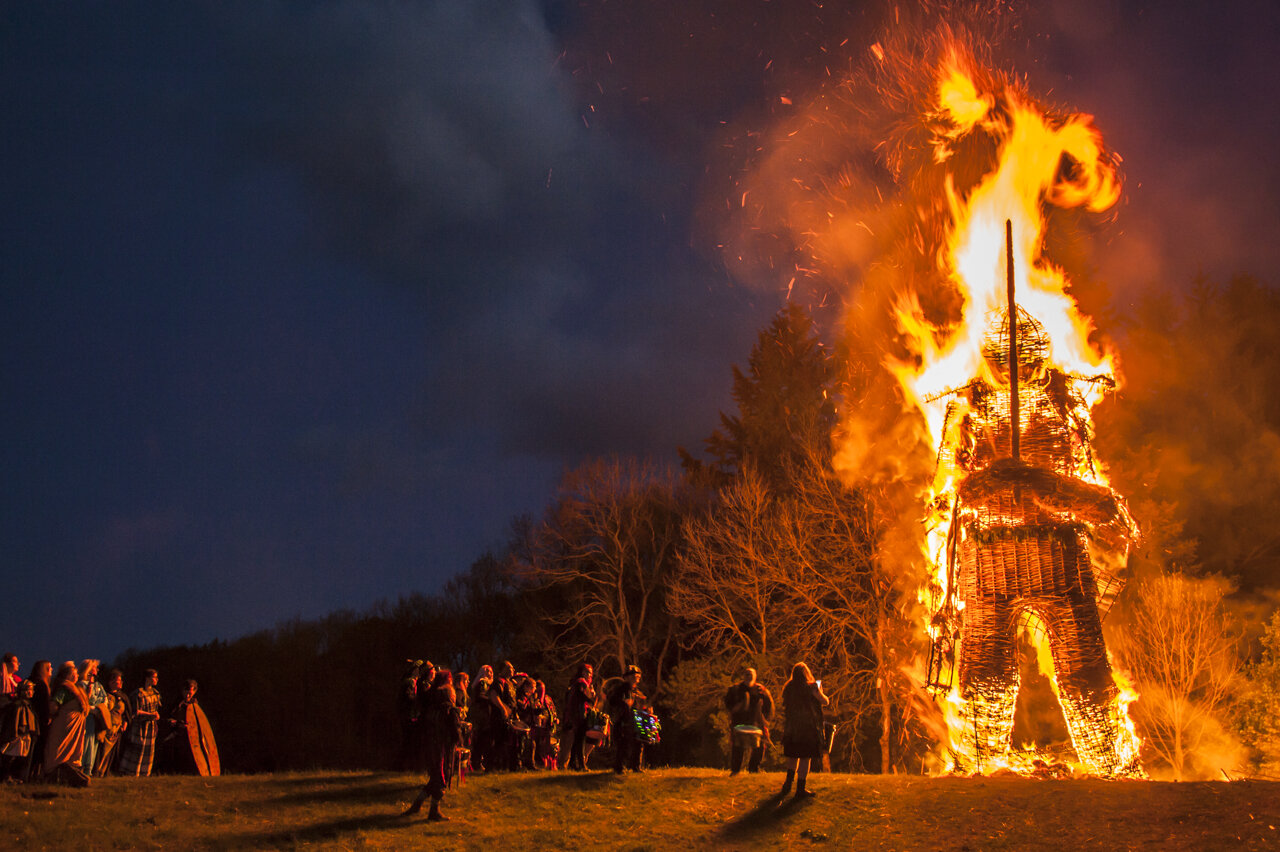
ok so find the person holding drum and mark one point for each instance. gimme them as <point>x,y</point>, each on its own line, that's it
<point>625,701</point>
<point>750,708</point>
<point>802,703</point>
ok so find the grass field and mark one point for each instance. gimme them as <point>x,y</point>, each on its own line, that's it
<point>659,809</point>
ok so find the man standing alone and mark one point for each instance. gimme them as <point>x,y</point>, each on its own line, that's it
<point>750,708</point>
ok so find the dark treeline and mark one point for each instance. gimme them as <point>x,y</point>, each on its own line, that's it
<point>758,554</point>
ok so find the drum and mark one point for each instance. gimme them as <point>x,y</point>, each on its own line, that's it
<point>597,726</point>
<point>748,734</point>
<point>645,727</point>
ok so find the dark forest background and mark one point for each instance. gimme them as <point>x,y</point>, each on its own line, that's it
<point>752,551</point>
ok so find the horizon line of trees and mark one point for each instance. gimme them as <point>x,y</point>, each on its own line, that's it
<point>759,554</point>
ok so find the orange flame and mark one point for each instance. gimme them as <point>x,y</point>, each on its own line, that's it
<point>1041,161</point>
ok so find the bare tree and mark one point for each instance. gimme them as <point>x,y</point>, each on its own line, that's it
<point>776,576</point>
<point>600,562</point>
<point>1182,650</point>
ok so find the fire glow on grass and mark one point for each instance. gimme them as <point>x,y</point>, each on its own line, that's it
<point>1040,160</point>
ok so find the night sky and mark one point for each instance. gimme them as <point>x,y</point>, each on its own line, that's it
<point>304,302</point>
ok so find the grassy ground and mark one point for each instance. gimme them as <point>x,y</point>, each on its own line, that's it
<point>659,809</point>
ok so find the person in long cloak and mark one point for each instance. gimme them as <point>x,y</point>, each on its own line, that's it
<point>64,746</point>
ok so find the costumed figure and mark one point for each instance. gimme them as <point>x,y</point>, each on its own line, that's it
<point>750,707</point>
<point>118,710</point>
<point>802,703</point>
<point>407,714</point>
<point>442,732</point>
<point>481,715</point>
<point>579,702</point>
<point>547,722</point>
<point>39,676</point>
<point>18,731</point>
<point>529,718</point>
<point>95,724</point>
<point>64,746</point>
<point>1032,532</point>
<point>140,740</point>
<point>507,726</point>
<point>629,713</point>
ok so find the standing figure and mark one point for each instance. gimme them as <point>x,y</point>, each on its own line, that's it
<point>39,676</point>
<point>750,708</point>
<point>119,710</point>
<point>140,740</point>
<point>578,703</point>
<point>481,715</point>
<point>1026,508</point>
<point>624,700</point>
<point>18,731</point>
<point>95,723</point>
<point>407,714</point>
<point>442,732</point>
<point>802,703</point>
<point>64,745</point>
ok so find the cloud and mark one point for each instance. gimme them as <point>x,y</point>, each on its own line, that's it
<point>443,149</point>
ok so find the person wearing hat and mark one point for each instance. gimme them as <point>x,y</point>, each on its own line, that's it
<point>624,699</point>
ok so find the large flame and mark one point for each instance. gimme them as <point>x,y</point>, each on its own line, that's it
<point>1040,161</point>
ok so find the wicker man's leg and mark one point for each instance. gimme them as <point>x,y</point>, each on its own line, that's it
<point>988,683</point>
<point>1086,690</point>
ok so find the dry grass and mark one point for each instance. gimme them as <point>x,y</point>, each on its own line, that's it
<point>661,809</point>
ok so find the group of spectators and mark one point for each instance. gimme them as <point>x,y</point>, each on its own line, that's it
<point>72,725</point>
<point>508,722</point>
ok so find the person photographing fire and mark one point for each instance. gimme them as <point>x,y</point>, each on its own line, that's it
<point>1016,446</point>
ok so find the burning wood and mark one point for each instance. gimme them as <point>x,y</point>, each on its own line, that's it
<point>1019,497</point>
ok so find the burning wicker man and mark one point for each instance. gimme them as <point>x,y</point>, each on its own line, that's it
<point>1015,462</point>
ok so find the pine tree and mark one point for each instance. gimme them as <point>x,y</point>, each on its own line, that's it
<point>785,413</point>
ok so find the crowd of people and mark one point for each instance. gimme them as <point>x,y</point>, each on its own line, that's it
<point>508,722</point>
<point>74,725</point>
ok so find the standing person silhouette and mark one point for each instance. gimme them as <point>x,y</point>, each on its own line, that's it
<point>802,703</point>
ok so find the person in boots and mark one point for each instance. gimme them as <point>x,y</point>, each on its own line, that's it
<point>442,729</point>
<point>802,703</point>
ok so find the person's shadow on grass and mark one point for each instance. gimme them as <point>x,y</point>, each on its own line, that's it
<point>767,816</point>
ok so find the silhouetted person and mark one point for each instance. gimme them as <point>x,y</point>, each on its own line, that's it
<point>802,703</point>
<point>750,708</point>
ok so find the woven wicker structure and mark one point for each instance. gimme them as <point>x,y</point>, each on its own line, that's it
<point>1023,532</point>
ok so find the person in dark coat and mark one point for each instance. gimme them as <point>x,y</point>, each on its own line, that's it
<point>580,699</point>
<point>802,703</point>
<point>481,716</point>
<point>407,714</point>
<point>624,700</point>
<point>442,731</point>
<point>40,675</point>
<point>18,731</point>
<point>749,704</point>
